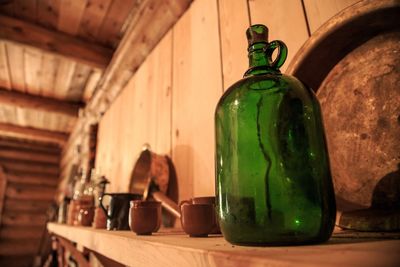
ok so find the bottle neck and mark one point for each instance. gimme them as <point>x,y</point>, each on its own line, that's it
<point>259,62</point>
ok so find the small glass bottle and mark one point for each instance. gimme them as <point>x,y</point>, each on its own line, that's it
<point>273,180</point>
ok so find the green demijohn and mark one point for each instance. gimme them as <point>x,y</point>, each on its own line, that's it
<point>273,180</point>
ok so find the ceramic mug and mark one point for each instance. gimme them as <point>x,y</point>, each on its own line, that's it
<point>145,217</point>
<point>197,220</point>
<point>118,210</point>
<point>208,200</point>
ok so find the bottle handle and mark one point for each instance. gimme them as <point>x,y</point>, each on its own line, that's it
<point>102,206</point>
<point>282,53</point>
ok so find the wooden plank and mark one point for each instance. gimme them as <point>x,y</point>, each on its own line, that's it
<point>49,67</point>
<point>29,166</point>
<point>44,147</point>
<point>178,250</point>
<point>21,232</point>
<point>33,70</point>
<point>17,261</point>
<point>47,11</point>
<point>70,16</point>
<point>3,187</point>
<point>233,39</point>
<point>17,248</point>
<point>20,219</point>
<point>26,9</point>
<point>29,192</point>
<point>119,131</point>
<point>54,42</point>
<point>63,81</point>
<point>124,62</point>
<point>319,12</point>
<point>32,133</point>
<point>4,69</point>
<point>23,154</point>
<point>33,179</point>
<point>91,84</point>
<point>15,55</point>
<point>24,206</point>
<point>93,18</point>
<point>29,101</point>
<point>78,82</point>
<point>197,87</point>
<point>274,14</point>
<point>110,32</point>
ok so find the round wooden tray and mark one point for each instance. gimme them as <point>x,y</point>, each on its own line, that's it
<point>353,64</point>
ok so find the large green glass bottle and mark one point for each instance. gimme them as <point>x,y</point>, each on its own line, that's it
<point>273,179</point>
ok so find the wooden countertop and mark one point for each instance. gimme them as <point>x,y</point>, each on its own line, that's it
<point>175,249</point>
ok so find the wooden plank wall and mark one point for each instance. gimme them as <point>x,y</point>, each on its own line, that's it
<point>169,103</point>
<point>27,189</point>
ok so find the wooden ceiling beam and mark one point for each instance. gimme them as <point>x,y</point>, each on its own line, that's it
<point>23,100</point>
<point>54,42</point>
<point>33,133</point>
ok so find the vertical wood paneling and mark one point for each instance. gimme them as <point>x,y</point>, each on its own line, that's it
<point>285,21</point>
<point>139,115</point>
<point>197,86</point>
<point>16,63</point>
<point>4,71</point>
<point>318,12</point>
<point>233,39</point>
<point>33,70</point>
<point>70,15</point>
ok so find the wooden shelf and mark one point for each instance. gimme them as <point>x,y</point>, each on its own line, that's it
<point>175,249</point>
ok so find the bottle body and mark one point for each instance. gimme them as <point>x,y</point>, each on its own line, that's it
<point>273,180</point>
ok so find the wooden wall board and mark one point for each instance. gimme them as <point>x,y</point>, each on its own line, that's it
<point>17,261</point>
<point>28,144</point>
<point>4,67</point>
<point>26,9</point>
<point>33,70</point>
<point>70,15</point>
<point>24,154</point>
<point>50,64</point>
<point>28,192</point>
<point>110,32</point>
<point>93,18</point>
<point>3,188</point>
<point>47,13</point>
<point>28,166</point>
<point>319,12</point>
<point>17,248</point>
<point>15,55</point>
<point>78,83</point>
<point>197,86</point>
<point>91,84</point>
<point>33,179</point>
<point>23,219</point>
<point>233,39</point>
<point>285,20</point>
<point>20,232</point>
<point>141,114</point>
<point>63,81</point>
